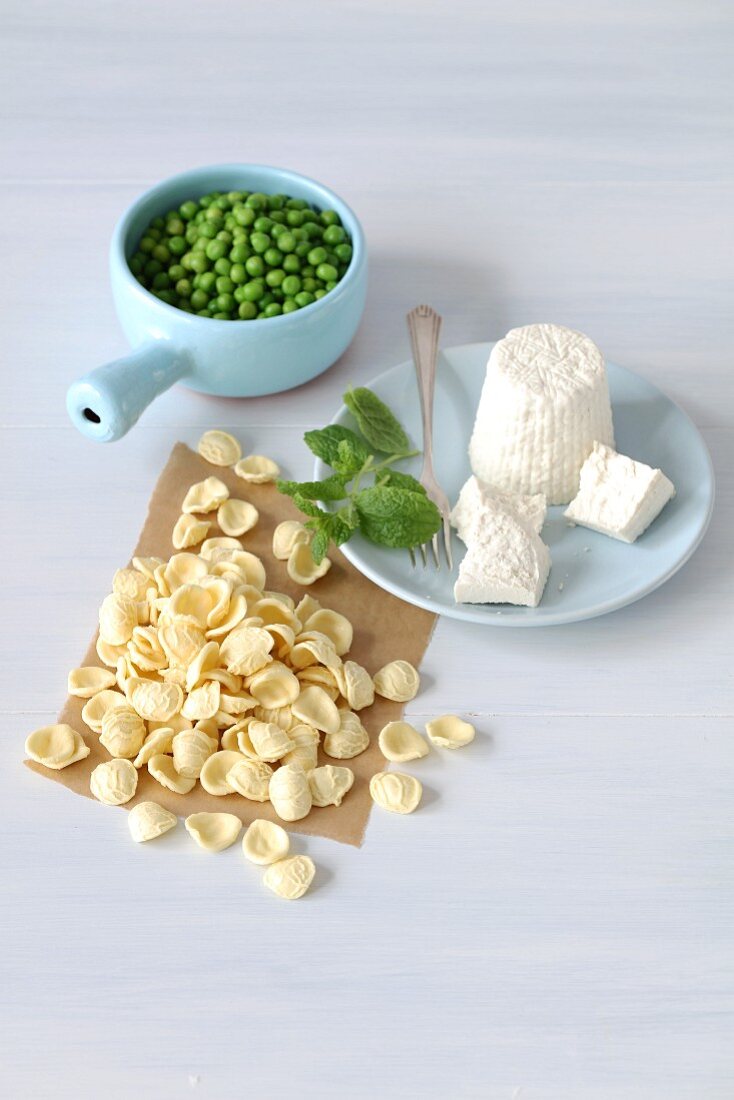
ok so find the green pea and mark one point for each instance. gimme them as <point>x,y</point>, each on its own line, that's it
<point>262,224</point>
<point>302,249</point>
<point>224,235</point>
<point>286,241</point>
<point>277,217</point>
<point>224,285</point>
<point>309,284</point>
<point>244,215</point>
<point>201,245</point>
<point>273,310</point>
<point>147,244</point>
<point>225,302</point>
<point>215,214</point>
<point>239,253</point>
<point>184,288</point>
<point>199,262</point>
<point>330,285</point>
<point>257,201</point>
<point>319,293</point>
<point>161,280</point>
<point>291,285</point>
<point>152,268</point>
<point>167,295</point>
<point>294,217</point>
<point>326,273</point>
<point>223,266</point>
<point>239,294</point>
<point>137,262</point>
<point>334,234</point>
<point>317,256</point>
<point>221,316</point>
<point>254,290</point>
<point>247,311</point>
<point>255,266</point>
<point>238,273</point>
<point>160,252</point>
<point>296,204</point>
<point>266,299</point>
<point>188,209</point>
<point>304,298</point>
<point>308,272</point>
<point>158,223</point>
<point>291,263</point>
<point>176,271</point>
<point>192,233</point>
<point>260,242</point>
<point>289,306</point>
<point>273,257</point>
<point>207,281</point>
<point>343,252</point>
<point>199,299</point>
<point>277,202</point>
<point>175,226</point>
<point>215,249</point>
<point>330,217</point>
<point>300,233</point>
<point>154,233</point>
<point>275,277</point>
<point>208,229</point>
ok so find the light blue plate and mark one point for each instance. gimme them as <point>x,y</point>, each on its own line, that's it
<point>591,574</point>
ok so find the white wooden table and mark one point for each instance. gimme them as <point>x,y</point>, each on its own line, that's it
<point>558,921</point>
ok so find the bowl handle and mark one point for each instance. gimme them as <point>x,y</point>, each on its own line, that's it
<point>105,403</point>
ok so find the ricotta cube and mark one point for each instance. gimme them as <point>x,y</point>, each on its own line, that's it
<point>618,496</point>
<point>476,496</point>
<point>506,561</point>
<point>544,401</point>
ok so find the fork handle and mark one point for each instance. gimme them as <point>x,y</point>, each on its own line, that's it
<point>424,325</point>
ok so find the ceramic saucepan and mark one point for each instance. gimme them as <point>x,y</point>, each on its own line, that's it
<point>230,358</point>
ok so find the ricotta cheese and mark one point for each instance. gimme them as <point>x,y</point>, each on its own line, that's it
<point>506,561</point>
<point>618,496</point>
<point>475,497</point>
<point>544,402</point>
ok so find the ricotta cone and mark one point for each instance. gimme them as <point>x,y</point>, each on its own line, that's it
<point>545,402</point>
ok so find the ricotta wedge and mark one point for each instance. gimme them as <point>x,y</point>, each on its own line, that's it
<point>617,495</point>
<point>506,561</point>
<point>476,496</point>
<point>544,402</point>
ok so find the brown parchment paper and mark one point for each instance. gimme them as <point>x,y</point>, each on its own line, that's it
<point>385,628</point>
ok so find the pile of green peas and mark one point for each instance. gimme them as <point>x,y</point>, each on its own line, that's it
<point>242,256</point>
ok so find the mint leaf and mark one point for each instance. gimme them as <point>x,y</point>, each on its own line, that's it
<point>396,517</point>
<point>307,506</point>
<point>331,488</point>
<point>377,423</point>
<point>324,443</point>
<point>334,527</point>
<point>319,545</point>
<point>398,480</point>
<point>349,460</point>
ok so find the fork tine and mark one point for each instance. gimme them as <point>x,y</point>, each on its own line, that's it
<point>424,555</point>
<point>447,541</point>
<point>411,551</point>
<point>434,547</point>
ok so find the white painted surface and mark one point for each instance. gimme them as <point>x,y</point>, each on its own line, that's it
<point>557,921</point>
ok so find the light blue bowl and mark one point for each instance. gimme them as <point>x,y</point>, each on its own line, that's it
<point>230,358</point>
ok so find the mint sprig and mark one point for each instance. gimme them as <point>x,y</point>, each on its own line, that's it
<point>393,510</point>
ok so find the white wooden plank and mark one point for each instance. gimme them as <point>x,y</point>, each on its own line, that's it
<point>556,921</point>
<point>644,269</point>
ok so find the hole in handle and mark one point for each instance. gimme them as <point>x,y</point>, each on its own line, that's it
<point>91,415</point>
